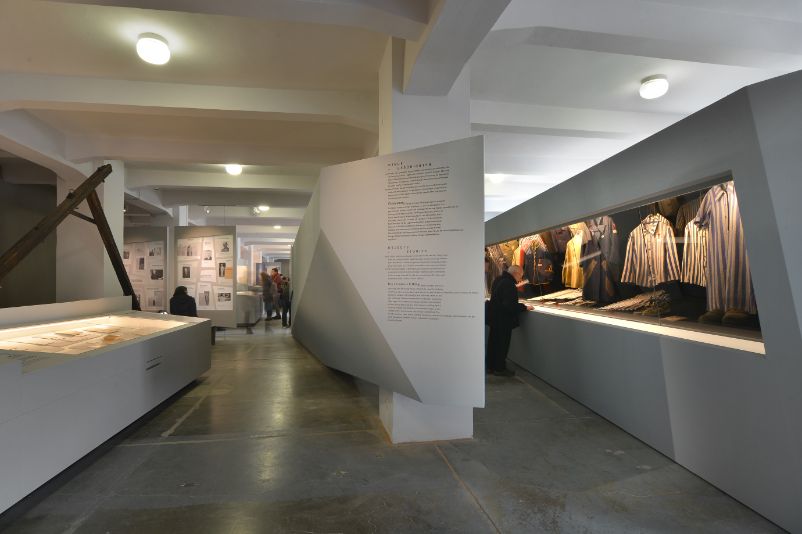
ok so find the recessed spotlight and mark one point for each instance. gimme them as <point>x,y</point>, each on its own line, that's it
<point>153,49</point>
<point>277,227</point>
<point>234,169</point>
<point>653,86</point>
<point>495,178</point>
<point>207,210</point>
<point>263,208</point>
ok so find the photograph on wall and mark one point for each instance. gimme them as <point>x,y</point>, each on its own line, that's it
<point>225,270</point>
<point>156,271</point>
<point>140,264</point>
<point>156,249</point>
<point>208,275</point>
<point>188,248</point>
<point>207,254</point>
<point>224,247</point>
<point>126,254</point>
<point>203,299</point>
<point>187,271</point>
<point>154,298</point>
<point>223,298</point>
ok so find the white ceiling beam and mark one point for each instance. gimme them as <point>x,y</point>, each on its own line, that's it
<point>506,117</point>
<point>405,19</point>
<point>147,199</point>
<point>150,178</point>
<point>83,148</point>
<point>455,30</point>
<point>47,92</point>
<point>688,31</point>
<point>27,137</point>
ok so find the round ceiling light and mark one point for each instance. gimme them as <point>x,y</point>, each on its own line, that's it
<point>653,87</point>
<point>263,208</point>
<point>153,49</point>
<point>234,169</point>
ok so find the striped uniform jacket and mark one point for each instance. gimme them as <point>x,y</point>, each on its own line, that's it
<point>694,255</point>
<point>729,280</point>
<point>651,256</point>
<point>686,213</point>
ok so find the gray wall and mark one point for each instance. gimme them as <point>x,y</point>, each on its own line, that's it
<point>33,281</point>
<point>731,417</point>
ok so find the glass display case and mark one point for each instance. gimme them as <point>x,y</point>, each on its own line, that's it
<point>33,344</point>
<point>681,261</point>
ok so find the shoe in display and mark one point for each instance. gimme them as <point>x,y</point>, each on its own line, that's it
<point>656,309</point>
<point>712,317</point>
<point>735,317</point>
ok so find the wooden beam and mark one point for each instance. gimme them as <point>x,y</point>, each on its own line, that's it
<point>13,256</point>
<point>82,216</point>
<point>111,247</point>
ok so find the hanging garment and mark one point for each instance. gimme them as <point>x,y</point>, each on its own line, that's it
<point>729,279</point>
<point>538,267</point>
<point>687,213</point>
<point>493,271</point>
<point>560,237</point>
<point>600,261</point>
<point>572,267</point>
<point>498,260</point>
<point>508,250</point>
<point>518,256</point>
<point>651,256</point>
<point>694,255</point>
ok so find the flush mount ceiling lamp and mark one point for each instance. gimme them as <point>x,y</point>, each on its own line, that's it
<point>263,208</point>
<point>653,87</point>
<point>234,169</point>
<point>153,49</point>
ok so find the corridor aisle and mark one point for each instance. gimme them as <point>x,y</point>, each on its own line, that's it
<point>271,441</point>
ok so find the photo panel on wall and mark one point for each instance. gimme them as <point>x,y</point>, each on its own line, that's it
<point>224,297</point>
<point>188,248</point>
<point>204,299</point>
<point>224,246</point>
<point>207,254</point>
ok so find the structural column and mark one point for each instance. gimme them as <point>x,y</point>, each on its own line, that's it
<point>407,122</point>
<point>83,268</point>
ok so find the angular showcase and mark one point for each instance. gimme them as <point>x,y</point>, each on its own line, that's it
<point>386,272</point>
<point>658,329</point>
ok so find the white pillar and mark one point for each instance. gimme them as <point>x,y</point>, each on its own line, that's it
<point>181,215</point>
<point>407,122</point>
<point>83,268</point>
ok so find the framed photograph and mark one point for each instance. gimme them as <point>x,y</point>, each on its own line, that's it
<point>223,297</point>
<point>204,299</point>
<point>224,247</point>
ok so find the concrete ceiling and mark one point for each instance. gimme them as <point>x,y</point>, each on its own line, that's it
<point>554,86</point>
<point>289,86</point>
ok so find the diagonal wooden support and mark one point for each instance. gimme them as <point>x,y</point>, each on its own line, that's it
<point>86,191</point>
<point>111,247</point>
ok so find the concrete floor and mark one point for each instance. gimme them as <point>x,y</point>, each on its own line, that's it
<point>272,441</point>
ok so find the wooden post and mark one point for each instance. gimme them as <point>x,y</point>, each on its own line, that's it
<point>111,247</point>
<point>13,256</point>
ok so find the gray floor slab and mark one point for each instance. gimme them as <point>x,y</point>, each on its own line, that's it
<point>272,441</point>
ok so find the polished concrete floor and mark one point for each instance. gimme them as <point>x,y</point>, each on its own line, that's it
<point>271,441</point>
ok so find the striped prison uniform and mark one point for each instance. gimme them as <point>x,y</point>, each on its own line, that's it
<point>651,256</point>
<point>729,280</point>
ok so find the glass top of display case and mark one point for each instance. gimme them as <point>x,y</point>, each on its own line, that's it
<point>75,338</point>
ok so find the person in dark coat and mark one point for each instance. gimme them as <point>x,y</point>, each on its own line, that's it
<point>503,317</point>
<point>182,304</point>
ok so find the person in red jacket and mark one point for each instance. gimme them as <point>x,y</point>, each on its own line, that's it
<point>503,317</point>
